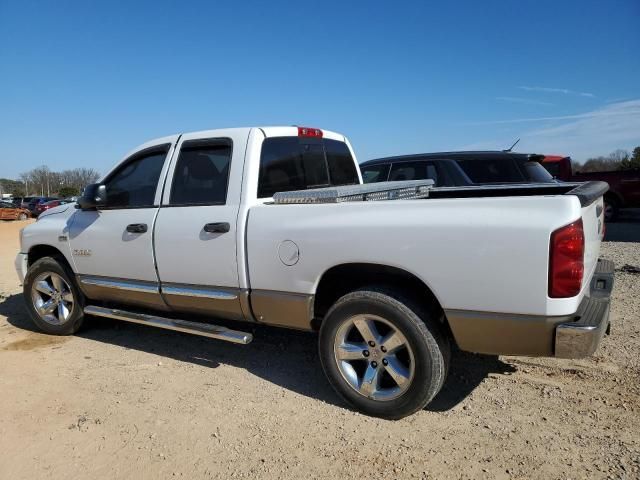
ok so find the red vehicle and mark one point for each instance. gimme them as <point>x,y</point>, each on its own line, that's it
<point>41,207</point>
<point>624,185</point>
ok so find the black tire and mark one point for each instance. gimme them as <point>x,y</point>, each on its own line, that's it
<point>611,209</point>
<point>430,349</point>
<point>58,266</point>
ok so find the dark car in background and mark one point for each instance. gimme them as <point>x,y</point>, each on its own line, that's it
<point>450,169</point>
<point>24,202</point>
<point>42,207</point>
<point>36,201</point>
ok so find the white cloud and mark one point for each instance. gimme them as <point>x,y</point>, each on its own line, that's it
<point>631,107</point>
<point>594,133</point>
<point>524,101</point>
<point>566,91</point>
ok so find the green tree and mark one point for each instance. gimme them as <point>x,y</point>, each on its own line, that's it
<point>13,187</point>
<point>65,192</point>
<point>631,163</point>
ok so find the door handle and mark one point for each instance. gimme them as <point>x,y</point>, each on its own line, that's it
<point>137,228</point>
<point>217,227</point>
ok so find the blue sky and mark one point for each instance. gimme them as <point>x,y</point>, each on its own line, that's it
<point>81,83</point>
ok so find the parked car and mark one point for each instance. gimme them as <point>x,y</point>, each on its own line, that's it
<point>624,185</point>
<point>8,211</point>
<point>273,226</point>
<point>25,202</point>
<point>36,201</point>
<point>449,169</point>
<point>41,207</point>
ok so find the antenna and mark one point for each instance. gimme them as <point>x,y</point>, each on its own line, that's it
<point>511,147</point>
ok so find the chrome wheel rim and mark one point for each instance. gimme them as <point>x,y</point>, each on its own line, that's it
<point>52,298</point>
<point>23,216</point>
<point>374,357</point>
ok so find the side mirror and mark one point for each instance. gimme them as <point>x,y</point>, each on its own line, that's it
<point>94,196</point>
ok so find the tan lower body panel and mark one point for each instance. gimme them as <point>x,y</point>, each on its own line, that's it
<point>502,334</point>
<point>218,302</point>
<point>291,310</point>
<point>122,291</point>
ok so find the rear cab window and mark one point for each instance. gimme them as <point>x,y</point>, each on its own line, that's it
<point>294,163</point>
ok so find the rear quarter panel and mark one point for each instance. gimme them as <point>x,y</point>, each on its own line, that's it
<point>481,254</point>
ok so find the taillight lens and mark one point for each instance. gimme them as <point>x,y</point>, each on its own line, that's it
<point>566,261</point>
<point>309,132</point>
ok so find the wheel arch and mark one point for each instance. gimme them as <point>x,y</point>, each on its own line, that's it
<point>36,252</point>
<point>347,277</point>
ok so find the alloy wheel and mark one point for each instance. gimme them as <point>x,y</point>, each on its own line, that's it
<point>374,357</point>
<point>52,298</point>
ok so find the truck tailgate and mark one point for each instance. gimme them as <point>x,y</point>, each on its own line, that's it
<point>593,225</point>
<point>592,212</point>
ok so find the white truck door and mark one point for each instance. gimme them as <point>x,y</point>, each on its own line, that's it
<point>195,232</point>
<point>112,247</point>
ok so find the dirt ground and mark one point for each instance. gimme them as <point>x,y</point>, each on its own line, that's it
<point>126,401</point>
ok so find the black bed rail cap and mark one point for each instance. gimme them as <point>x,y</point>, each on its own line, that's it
<point>589,192</point>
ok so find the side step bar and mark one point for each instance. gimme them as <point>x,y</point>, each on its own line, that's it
<point>195,328</point>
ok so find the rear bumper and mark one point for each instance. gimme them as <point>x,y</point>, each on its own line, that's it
<point>581,338</point>
<point>569,336</point>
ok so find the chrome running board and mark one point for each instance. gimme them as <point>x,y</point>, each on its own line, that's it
<point>195,328</point>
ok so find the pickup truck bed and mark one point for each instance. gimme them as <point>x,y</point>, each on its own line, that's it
<point>193,229</point>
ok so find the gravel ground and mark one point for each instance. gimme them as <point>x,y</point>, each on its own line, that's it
<point>125,401</point>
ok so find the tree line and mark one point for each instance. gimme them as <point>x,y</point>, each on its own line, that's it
<point>42,181</point>
<point>618,160</point>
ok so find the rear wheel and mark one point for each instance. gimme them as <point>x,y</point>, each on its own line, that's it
<point>22,216</point>
<point>382,353</point>
<point>53,300</point>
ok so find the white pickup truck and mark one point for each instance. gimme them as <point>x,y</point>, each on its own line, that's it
<point>273,226</point>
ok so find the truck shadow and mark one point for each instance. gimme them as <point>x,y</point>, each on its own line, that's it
<point>284,357</point>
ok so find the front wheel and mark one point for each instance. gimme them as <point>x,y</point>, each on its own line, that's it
<point>382,353</point>
<point>22,216</point>
<point>53,300</point>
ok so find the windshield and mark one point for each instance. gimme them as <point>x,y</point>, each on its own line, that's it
<point>536,172</point>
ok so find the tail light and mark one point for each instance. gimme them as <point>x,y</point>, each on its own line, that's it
<point>309,132</point>
<point>566,261</point>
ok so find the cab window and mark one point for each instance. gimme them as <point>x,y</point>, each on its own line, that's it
<point>134,184</point>
<point>202,173</point>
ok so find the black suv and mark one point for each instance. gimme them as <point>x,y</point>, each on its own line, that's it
<point>450,169</point>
